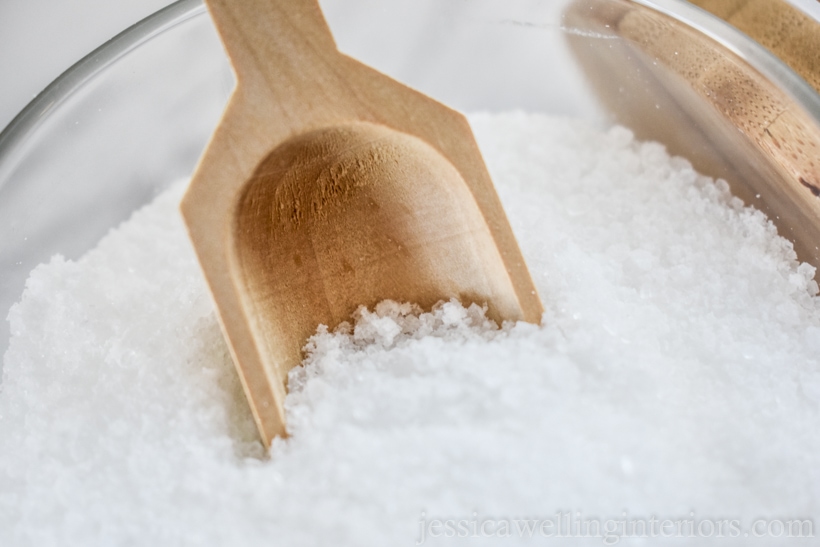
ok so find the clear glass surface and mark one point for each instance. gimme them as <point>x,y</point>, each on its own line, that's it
<point>134,116</point>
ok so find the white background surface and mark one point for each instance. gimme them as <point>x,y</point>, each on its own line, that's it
<point>39,39</point>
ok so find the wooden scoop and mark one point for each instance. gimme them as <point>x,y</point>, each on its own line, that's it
<point>328,186</point>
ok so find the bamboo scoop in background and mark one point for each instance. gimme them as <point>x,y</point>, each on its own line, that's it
<point>327,186</point>
<point>670,82</point>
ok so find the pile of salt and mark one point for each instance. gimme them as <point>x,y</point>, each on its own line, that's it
<point>675,376</point>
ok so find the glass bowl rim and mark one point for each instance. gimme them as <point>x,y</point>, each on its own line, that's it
<point>84,70</point>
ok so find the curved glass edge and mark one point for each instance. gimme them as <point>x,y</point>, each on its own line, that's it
<point>808,7</point>
<point>758,57</point>
<point>83,70</point>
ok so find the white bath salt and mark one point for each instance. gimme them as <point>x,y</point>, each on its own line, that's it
<point>675,380</point>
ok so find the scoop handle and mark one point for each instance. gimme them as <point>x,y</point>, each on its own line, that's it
<point>267,37</point>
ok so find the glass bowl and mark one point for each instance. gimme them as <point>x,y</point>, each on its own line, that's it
<point>133,116</point>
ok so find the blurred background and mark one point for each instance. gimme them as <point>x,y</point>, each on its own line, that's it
<point>39,39</point>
